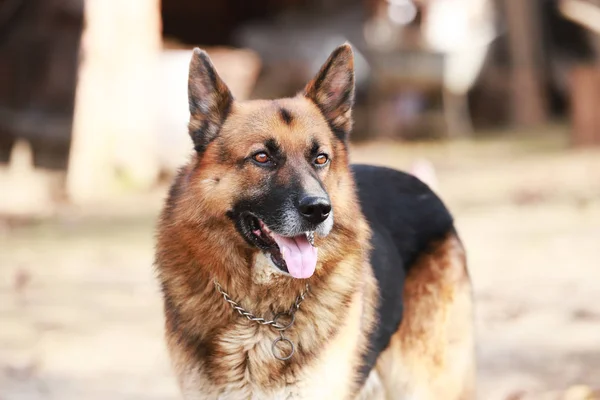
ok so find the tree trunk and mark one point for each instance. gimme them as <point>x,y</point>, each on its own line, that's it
<point>524,33</point>
<point>585,100</point>
<point>114,137</point>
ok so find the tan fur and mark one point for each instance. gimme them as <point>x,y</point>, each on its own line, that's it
<point>329,376</point>
<point>216,353</point>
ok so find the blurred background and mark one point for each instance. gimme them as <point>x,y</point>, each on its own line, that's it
<point>494,103</point>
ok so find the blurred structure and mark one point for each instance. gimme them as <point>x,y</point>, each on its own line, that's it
<point>585,79</point>
<point>425,69</point>
<point>462,31</point>
<point>39,43</point>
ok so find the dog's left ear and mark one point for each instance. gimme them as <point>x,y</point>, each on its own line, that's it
<point>332,90</point>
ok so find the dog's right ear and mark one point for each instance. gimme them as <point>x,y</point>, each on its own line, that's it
<point>209,100</point>
<point>332,90</point>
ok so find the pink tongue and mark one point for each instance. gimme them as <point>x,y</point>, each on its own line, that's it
<point>299,255</point>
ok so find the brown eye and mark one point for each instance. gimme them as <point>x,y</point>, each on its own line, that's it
<point>261,158</point>
<point>321,159</point>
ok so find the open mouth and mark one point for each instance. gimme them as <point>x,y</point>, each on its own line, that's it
<point>295,255</point>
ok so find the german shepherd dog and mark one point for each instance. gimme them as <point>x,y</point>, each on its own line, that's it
<point>289,274</point>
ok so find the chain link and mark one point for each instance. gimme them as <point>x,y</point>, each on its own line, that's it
<point>259,320</point>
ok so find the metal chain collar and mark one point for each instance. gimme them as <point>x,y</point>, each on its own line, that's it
<point>272,323</point>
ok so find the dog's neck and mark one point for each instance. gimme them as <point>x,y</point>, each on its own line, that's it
<point>191,275</point>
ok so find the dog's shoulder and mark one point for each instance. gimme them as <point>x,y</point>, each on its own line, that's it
<point>406,217</point>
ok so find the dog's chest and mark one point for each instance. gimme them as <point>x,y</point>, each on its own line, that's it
<point>246,367</point>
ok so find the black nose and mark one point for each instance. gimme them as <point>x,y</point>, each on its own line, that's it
<point>315,209</point>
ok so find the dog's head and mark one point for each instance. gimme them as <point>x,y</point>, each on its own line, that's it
<point>273,170</point>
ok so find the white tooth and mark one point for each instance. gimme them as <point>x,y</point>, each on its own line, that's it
<point>310,236</point>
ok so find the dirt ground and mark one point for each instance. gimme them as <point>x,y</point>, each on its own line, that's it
<point>80,313</point>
